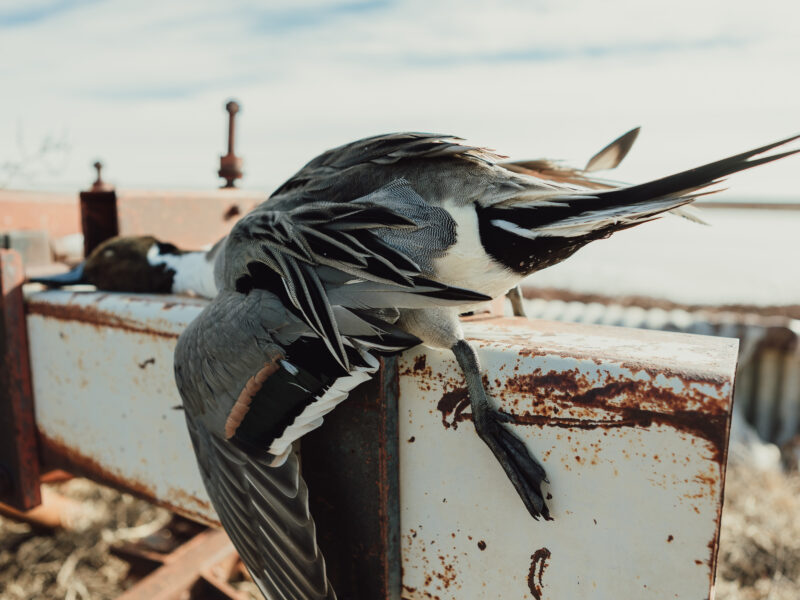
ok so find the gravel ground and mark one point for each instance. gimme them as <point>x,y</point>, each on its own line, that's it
<point>759,549</point>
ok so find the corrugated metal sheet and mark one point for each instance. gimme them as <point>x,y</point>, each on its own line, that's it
<point>768,375</point>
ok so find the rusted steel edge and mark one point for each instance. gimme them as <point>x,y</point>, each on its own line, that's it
<point>58,455</point>
<point>389,467</point>
<point>713,545</point>
<point>91,315</point>
<point>18,450</point>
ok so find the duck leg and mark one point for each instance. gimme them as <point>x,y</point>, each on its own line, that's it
<point>515,295</point>
<point>441,328</point>
<point>524,471</point>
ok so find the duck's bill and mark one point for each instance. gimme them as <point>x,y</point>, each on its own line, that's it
<point>73,277</point>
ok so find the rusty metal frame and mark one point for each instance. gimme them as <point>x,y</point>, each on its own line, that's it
<point>19,460</point>
<point>565,386</point>
<point>355,503</point>
<point>189,572</point>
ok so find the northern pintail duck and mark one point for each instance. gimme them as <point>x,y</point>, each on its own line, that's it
<point>142,264</point>
<point>373,247</point>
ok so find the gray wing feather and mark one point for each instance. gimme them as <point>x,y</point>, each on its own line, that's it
<point>388,237</point>
<point>263,508</point>
<point>384,149</point>
<point>265,512</point>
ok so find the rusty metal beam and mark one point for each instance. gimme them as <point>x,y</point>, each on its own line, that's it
<point>355,503</point>
<point>54,512</point>
<point>188,572</point>
<point>630,425</point>
<point>19,461</point>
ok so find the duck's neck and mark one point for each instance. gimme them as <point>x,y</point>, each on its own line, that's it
<point>193,272</point>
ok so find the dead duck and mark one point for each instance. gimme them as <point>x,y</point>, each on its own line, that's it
<point>142,264</point>
<point>373,247</point>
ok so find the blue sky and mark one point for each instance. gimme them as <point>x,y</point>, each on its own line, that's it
<point>142,85</point>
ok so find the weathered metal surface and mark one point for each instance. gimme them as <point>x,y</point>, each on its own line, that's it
<point>106,397</point>
<point>632,428</point>
<point>768,374</point>
<point>19,463</point>
<point>351,467</point>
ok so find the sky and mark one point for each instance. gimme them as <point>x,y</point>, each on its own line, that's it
<point>142,85</point>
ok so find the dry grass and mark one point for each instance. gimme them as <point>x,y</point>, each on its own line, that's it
<point>759,555</point>
<point>75,564</point>
<point>760,542</point>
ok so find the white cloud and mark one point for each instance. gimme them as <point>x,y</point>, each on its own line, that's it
<point>142,84</point>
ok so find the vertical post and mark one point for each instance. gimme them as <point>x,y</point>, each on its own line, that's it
<point>98,213</point>
<point>230,165</point>
<point>352,470</point>
<point>19,459</point>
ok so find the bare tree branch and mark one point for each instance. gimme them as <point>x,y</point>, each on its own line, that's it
<point>49,158</point>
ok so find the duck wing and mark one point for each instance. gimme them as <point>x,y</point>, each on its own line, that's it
<point>306,295</point>
<point>368,253</point>
<point>382,151</point>
<point>238,390</point>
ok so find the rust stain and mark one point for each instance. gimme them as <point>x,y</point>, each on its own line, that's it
<point>420,362</point>
<point>538,562</point>
<point>58,454</point>
<point>631,403</point>
<point>712,427</point>
<point>415,593</point>
<point>452,405</point>
<point>91,315</point>
<point>482,545</point>
<point>184,497</point>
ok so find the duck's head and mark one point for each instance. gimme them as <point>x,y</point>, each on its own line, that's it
<point>124,264</point>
